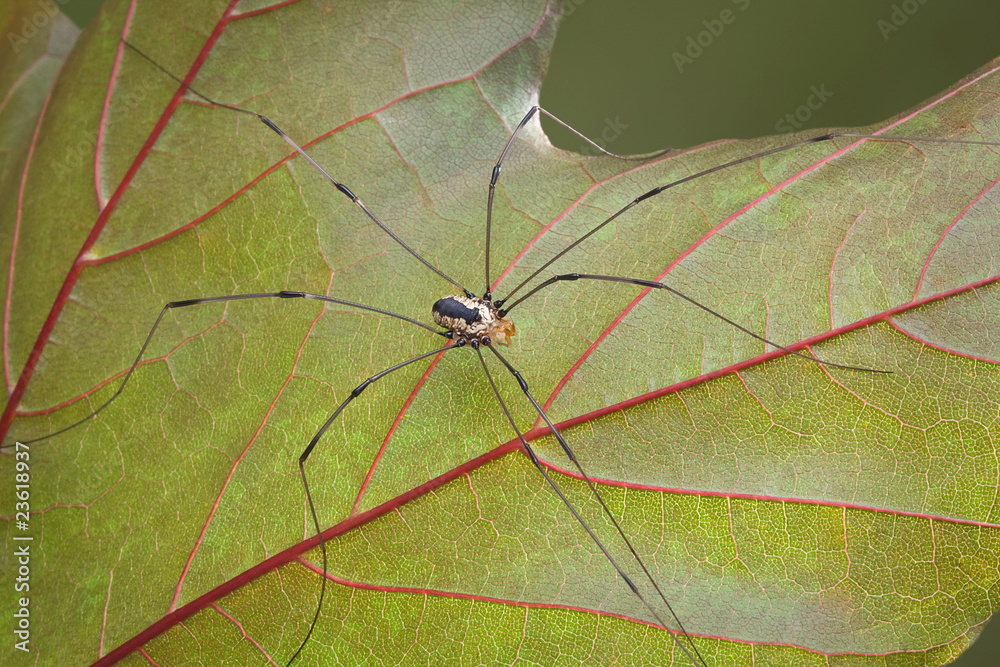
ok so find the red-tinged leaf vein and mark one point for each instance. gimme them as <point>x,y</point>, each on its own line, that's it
<point>15,396</point>
<point>102,201</point>
<point>947,232</point>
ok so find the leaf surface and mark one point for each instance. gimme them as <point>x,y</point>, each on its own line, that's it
<point>792,513</point>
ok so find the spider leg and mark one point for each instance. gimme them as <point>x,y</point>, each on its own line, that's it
<point>305,484</point>
<point>298,149</point>
<point>284,294</point>
<point>534,459</point>
<point>593,489</point>
<point>732,163</point>
<point>652,284</point>
<point>496,172</point>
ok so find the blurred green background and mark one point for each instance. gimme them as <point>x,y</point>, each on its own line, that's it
<point>617,60</point>
<point>628,69</point>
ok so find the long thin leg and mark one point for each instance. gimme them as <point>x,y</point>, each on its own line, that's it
<point>576,515</point>
<point>284,294</point>
<point>305,484</point>
<point>732,163</point>
<point>496,172</point>
<point>337,184</point>
<point>656,285</point>
<point>593,489</point>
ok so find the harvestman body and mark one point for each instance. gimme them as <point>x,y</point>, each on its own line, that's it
<point>478,322</point>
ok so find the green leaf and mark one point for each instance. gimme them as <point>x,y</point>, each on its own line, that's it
<point>792,513</point>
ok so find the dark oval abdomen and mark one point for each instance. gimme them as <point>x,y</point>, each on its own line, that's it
<point>449,307</point>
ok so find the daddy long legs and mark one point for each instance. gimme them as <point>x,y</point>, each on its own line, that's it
<point>594,298</point>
